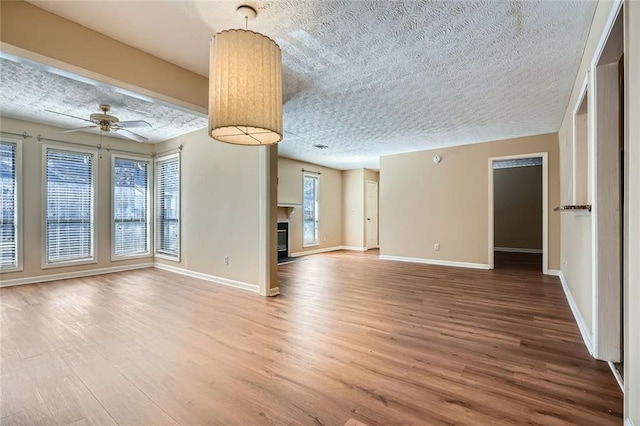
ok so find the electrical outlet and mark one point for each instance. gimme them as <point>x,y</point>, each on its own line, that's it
<point>436,247</point>
<point>226,260</point>
<point>324,239</point>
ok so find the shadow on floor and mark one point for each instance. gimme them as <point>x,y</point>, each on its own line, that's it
<point>518,261</point>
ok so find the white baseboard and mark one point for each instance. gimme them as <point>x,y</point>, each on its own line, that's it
<point>584,330</point>
<point>554,272</point>
<point>353,248</point>
<point>218,280</point>
<point>616,375</point>
<point>316,251</point>
<point>517,250</point>
<point>274,291</point>
<point>435,262</point>
<point>75,274</point>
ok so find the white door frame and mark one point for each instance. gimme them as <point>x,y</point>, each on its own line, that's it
<point>545,205</point>
<point>366,205</point>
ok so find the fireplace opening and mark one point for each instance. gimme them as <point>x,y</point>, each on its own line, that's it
<point>283,241</point>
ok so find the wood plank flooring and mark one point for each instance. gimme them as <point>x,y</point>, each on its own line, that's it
<point>351,340</point>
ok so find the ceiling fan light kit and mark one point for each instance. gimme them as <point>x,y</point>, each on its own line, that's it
<point>106,123</point>
<point>105,120</point>
<point>245,87</point>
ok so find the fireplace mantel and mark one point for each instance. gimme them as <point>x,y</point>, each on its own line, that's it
<point>290,207</point>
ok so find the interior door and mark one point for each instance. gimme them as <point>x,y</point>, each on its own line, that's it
<point>372,214</point>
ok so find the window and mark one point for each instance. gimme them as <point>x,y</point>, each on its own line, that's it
<point>70,197</point>
<point>168,206</point>
<point>10,229</point>
<point>130,207</point>
<point>310,210</point>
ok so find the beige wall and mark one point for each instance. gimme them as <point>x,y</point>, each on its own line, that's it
<point>517,205</point>
<point>78,49</point>
<point>353,208</point>
<point>32,211</point>
<point>329,198</point>
<point>632,272</point>
<point>220,210</point>
<point>354,193</point>
<point>220,204</point>
<point>272,220</point>
<point>577,230</point>
<point>422,203</point>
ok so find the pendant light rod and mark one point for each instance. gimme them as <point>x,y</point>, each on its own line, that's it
<point>247,12</point>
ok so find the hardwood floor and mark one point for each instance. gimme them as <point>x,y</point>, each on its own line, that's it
<point>351,340</point>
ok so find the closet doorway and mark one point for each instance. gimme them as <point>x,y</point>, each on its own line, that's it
<point>518,208</point>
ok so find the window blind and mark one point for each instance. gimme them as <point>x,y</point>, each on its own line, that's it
<point>69,205</point>
<point>130,207</point>
<point>9,202</point>
<point>310,210</point>
<point>168,206</point>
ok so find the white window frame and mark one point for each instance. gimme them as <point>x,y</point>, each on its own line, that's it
<point>19,228</point>
<point>156,210</point>
<point>317,209</point>
<point>150,175</point>
<point>94,176</point>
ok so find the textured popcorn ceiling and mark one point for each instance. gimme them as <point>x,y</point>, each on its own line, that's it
<point>371,78</point>
<point>27,90</point>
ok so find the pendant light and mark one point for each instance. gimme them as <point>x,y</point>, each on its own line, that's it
<point>245,86</point>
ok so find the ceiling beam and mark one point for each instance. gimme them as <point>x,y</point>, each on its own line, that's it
<point>28,31</point>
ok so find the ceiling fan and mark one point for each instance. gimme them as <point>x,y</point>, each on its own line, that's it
<point>107,123</point>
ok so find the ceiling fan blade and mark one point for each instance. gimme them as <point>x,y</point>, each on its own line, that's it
<point>79,129</point>
<point>68,115</point>
<point>133,123</point>
<point>128,134</point>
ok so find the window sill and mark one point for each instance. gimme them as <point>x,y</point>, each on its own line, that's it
<point>167,257</point>
<point>69,263</point>
<point>12,269</point>
<point>310,245</point>
<point>115,258</point>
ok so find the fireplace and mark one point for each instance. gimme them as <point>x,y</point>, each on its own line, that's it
<point>283,241</point>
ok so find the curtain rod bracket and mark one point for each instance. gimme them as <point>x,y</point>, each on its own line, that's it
<point>155,154</point>
<point>23,135</point>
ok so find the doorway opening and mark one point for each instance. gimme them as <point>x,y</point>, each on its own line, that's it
<point>518,220</point>
<point>371,210</point>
